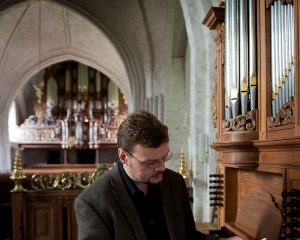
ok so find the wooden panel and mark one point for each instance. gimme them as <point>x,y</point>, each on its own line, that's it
<point>253,195</point>
<point>44,220</point>
<point>293,179</point>
<point>17,214</point>
<point>44,215</point>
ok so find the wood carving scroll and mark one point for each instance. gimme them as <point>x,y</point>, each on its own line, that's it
<point>243,122</point>
<point>65,180</point>
<point>285,115</point>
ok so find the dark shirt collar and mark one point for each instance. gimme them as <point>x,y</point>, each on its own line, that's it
<point>132,188</point>
<point>149,207</point>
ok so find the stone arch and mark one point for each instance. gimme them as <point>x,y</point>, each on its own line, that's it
<point>136,69</point>
<point>131,83</point>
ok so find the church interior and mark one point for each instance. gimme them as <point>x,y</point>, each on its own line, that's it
<point>222,75</point>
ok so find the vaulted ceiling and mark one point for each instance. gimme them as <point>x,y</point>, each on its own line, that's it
<point>128,40</point>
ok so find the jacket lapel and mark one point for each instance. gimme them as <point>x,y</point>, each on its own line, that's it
<point>125,203</point>
<point>166,200</point>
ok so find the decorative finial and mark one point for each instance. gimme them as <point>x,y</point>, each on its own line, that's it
<point>183,167</point>
<point>17,174</point>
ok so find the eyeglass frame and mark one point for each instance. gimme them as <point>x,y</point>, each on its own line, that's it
<point>156,162</point>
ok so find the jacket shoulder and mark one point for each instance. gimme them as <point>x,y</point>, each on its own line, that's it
<point>101,187</point>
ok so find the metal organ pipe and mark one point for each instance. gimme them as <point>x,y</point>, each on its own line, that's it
<point>282,76</point>
<point>228,72</point>
<point>243,30</point>
<point>235,58</point>
<point>252,54</point>
<point>292,49</point>
<point>289,50</point>
<point>276,57</point>
<point>273,59</point>
<point>279,32</point>
<point>286,55</point>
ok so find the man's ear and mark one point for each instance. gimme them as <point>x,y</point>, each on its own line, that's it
<point>122,156</point>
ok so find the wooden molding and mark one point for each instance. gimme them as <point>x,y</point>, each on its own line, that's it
<point>214,17</point>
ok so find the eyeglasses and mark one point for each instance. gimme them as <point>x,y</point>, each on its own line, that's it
<point>153,163</point>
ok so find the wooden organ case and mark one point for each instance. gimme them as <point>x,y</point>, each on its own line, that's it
<point>257,117</point>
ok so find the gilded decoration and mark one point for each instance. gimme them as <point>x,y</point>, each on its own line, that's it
<point>65,180</point>
<point>243,122</point>
<point>285,116</point>
<point>183,168</point>
<point>17,174</point>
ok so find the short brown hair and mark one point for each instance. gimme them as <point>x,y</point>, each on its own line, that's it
<point>141,127</point>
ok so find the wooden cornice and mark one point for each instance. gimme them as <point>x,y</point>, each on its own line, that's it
<point>214,17</point>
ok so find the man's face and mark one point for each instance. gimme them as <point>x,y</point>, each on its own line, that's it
<point>145,165</point>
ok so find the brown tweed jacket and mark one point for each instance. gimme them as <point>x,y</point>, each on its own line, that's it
<point>105,210</point>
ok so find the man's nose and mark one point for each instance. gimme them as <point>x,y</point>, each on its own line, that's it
<point>161,167</point>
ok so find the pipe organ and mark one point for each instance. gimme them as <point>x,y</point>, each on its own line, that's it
<point>258,118</point>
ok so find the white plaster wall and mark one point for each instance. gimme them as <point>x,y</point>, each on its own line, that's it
<point>176,109</point>
<point>201,73</point>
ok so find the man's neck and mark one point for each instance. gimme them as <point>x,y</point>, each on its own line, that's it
<point>142,187</point>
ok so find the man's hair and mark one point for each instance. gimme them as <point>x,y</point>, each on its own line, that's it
<point>142,128</point>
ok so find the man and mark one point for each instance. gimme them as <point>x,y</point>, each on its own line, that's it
<point>139,199</point>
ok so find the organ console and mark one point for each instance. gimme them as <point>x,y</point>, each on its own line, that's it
<point>258,119</point>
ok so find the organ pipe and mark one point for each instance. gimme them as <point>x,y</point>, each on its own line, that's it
<point>243,55</point>
<point>252,54</point>
<point>228,72</point>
